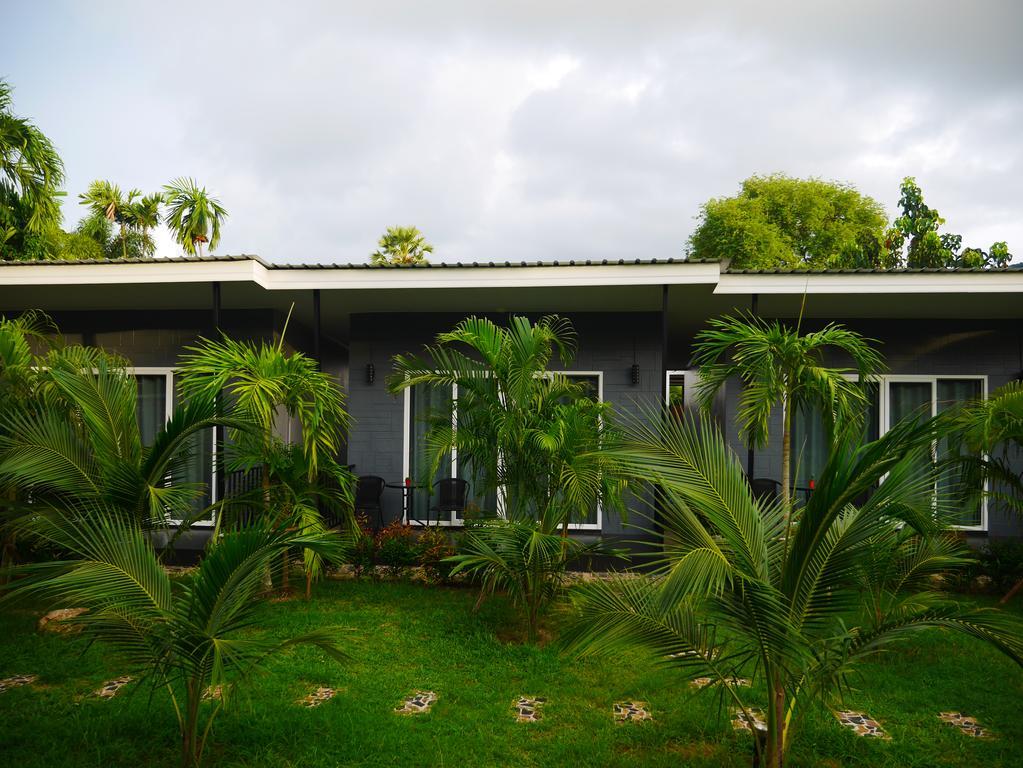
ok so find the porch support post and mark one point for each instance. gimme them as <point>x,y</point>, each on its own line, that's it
<point>317,328</point>
<point>750,452</point>
<point>218,431</point>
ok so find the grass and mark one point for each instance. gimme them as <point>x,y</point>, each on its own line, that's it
<point>404,636</point>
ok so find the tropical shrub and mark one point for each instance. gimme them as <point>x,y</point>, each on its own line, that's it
<point>184,636</point>
<point>747,587</point>
<point>396,548</point>
<point>434,547</point>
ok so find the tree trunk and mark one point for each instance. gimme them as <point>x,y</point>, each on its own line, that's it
<point>1011,593</point>
<point>190,726</point>
<point>786,455</point>
<point>774,750</point>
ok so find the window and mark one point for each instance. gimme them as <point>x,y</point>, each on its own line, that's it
<point>893,399</point>
<point>427,405</point>
<point>157,397</point>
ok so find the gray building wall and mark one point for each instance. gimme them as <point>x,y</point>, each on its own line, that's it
<point>609,343</point>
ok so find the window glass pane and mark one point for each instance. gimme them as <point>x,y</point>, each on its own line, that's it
<point>429,405</point>
<point>151,406</point>
<point>908,400</point>
<point>809,446</point>
<point>953,392</point>
<point>677,394</point>
<point>591,385</point>
<point>199,465</point>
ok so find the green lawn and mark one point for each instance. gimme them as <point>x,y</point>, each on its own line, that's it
<point>404,636</point>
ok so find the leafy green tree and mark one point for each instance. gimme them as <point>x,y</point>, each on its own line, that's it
<point>741,592</point>
<point>530,437</point>
<point>401,247</point>
<point>106,199</point>
<point>31,175</point>
<point>186,637</point>
<point>779,365</point>
<point>781,222</point>
<point>925,248</point>
<point>193,215</point>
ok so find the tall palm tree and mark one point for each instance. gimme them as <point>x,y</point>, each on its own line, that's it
<point>264,386</point>
<point>779,365</point>
<point>106,199</point>
<point>143,215</point>
<point>733,595</point>
<point>185,636</point>
<point>31,175</point>
<point>193,215</point>
<point>401,247</point>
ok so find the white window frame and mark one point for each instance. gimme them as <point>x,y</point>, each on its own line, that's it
<point>168,374</point>
<point>455,521</point>
<point>883,414</point>
<point>691,380</point>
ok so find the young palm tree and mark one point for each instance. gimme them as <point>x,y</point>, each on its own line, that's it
<point>778,365</point>
<point>530,436</point>
<point>262,385</point>
<point>31,175</point>
<point>987,437</point>
<point>193,215</point>
<point>185,637</point>
<point>78,442</point>
<point>734,595</point>
<point>143,215</point>
<point>401,247</point>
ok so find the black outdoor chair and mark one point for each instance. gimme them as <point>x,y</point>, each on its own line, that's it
<point>451,494</point>
<point>765,489</point>
<point>368,491</point>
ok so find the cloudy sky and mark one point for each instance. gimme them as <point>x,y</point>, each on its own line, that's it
<point>525,130</point>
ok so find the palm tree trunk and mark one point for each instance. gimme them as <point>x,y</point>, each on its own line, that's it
<point>786,454</point>
<point>124,244</point>
<point>774,750</point>
<point>190,726</point>
<point>1011,593</point>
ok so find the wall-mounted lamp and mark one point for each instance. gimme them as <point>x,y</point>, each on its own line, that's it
<point>634,371</point>
<point>371,373</point>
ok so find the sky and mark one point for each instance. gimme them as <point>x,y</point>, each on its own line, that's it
<point>523,130</point>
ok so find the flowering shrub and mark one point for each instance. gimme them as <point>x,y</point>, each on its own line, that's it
<point>434,546</point>
<point>396,547</point>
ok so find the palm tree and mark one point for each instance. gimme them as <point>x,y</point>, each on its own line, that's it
<point>401,247</point>
<point>105,199</point>
<point>143,215</point>
<point>262,386</point>
<point>193,215</point>
<point>185,637</point>
<point>529,436</point>
<point>778,365</point>
<point>31,175</point>
<point>734,595</point>
<point>988,435</point>
<point>78,442</point>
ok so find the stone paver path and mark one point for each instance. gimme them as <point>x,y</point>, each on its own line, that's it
<point>527,709</point>
<point>317,697</point>
<point>631,711</point>
<point>741,722</point>
<point>861,724</point>
<point>17,681</point>
<point>966,724</point>
<point>60,620</point>
<point>417,704</point>
<point>111,687</point>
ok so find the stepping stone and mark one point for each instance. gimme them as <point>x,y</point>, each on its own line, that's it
<point>742,722</point>
<point>703,682</point>
<point>59,620</point>
<point>966,724</point>
<point>111,687</point>
<point>17,681</point>
<point>631,711</point>
<point>417,704</point>
<point>215,692</point>
<point>317,697</point>
<point>861,724</point>
<point>527,710</point>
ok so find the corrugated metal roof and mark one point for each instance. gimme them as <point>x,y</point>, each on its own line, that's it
<point>170,260</point>
<point>900,271</point>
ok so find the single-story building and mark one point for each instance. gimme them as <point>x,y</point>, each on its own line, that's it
<point>946,335</point>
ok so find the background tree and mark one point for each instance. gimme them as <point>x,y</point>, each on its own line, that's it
<point>780,366</point>
<point>134,215</point>
<point>193,216</point>
<point>916,229</point>
<point>737,597</point>
<point>781,222</point>
<point>401,247</point>
<point>31,175</point>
